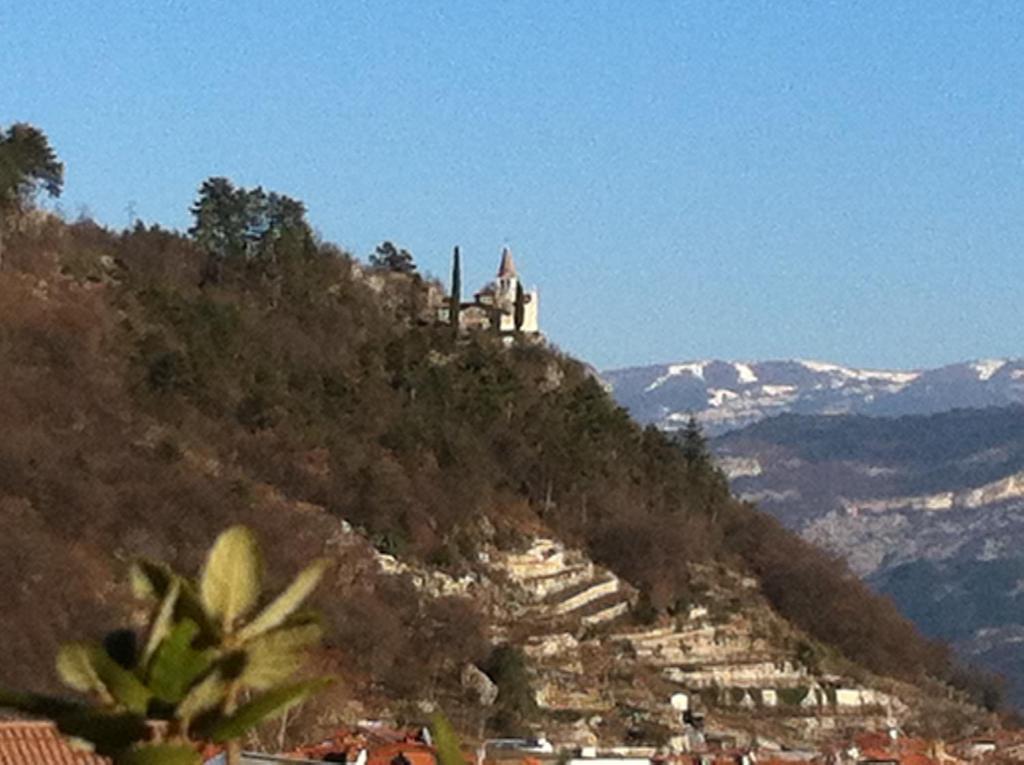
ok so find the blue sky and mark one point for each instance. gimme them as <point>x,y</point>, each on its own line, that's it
<point>682,180</point>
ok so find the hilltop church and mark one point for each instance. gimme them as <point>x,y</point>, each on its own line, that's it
<point>502,305</point>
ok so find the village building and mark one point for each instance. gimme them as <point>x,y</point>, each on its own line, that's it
<point>502,305</point>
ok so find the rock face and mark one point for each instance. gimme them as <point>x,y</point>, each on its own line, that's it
<point>479,684</point>
<point>726,395</point>
<point>930,510</point>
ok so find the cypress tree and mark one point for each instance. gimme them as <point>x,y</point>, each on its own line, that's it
<point>520,309</point>
<point>455,302</point>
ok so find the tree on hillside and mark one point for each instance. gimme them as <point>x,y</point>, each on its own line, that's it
<point>391,258</point>
<point>516,704</point>
<point>694,443</point>
<point>520,307</point>
<point>235,224</point>
<point>28,166</point>
<point>455,301</point>
<point>222,219</point>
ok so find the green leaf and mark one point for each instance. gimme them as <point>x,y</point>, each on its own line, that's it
<point>276,655</point>
<point>76,670</point>
<point>204,696</point>
<point>153,581</point>
<point>160,754</point>
<point>87,667</point>
<point>162,622</point>
<point>150,580</point>
<point>265,707</point>
<point>125,688</point>
<point>446,741</point>
<point>285,604</point>
<point>108,733</point>
<point>230,585</point>
<point>176,664</point>
<point>35,705</point>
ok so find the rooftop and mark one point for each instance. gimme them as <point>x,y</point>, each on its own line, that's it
<point>507,269</point>
<point>40,743</point>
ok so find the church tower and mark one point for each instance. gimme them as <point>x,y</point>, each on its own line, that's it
<point>503,305</point>
<point>506,286</point>
<point>508,292</point>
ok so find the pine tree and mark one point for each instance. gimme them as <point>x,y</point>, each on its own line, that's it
<point>235,224</point>
<point>455,306</point>
<point>28,166</point>
<point>389,257</point>
<point>695,443</point>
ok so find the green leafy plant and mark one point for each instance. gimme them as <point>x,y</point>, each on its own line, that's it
<point>206,673</point>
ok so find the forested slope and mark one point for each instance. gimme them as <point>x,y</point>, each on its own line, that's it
<point>157,387</point>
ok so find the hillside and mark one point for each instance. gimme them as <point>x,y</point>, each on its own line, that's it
<point>929,509</point>
<point>726,395</point>
<point>158,387</point>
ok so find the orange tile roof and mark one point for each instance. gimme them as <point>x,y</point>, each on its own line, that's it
<point>40,743</point>
<point>879,747</point>
<point>382,744</point>
<point>414,752</point>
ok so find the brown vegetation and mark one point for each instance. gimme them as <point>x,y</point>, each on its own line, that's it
<point>143,412</point>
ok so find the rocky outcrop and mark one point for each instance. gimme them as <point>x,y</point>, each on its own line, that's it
<point>479,685</point>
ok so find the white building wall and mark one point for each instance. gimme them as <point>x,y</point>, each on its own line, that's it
<point>531,320</point>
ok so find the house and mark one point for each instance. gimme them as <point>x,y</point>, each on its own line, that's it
<point>979,748</point>
<point>891,748</point>
<point>370,744</point>
<point>411,752</point>
<point>255,758</point>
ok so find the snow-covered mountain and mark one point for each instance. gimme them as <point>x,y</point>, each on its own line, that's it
<point>725,395</point>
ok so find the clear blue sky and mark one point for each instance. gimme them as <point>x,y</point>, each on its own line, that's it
<point>740,180</point>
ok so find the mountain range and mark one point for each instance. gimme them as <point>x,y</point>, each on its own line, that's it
<point>725,395</point>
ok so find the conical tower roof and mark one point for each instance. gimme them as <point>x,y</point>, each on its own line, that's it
<point>507,269</point>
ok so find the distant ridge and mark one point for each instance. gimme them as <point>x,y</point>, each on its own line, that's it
<point>726,395</point>
<point>928,509</point>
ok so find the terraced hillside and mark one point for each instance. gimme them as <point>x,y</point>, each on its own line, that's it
<point>599,676</point>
